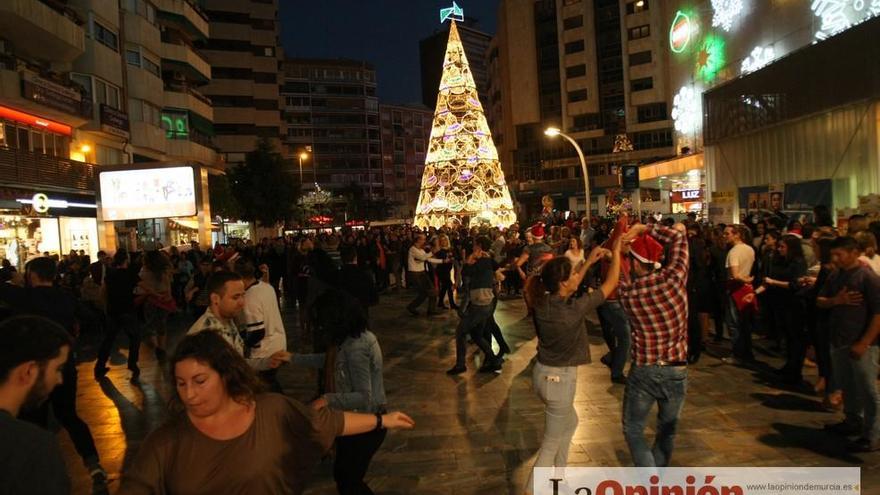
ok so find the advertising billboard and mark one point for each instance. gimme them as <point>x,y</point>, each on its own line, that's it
<point>147,193</point>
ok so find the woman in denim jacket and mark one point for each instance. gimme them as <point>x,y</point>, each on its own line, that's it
<point>356,383</point>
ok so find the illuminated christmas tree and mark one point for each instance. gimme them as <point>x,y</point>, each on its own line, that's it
<point>463,181</point>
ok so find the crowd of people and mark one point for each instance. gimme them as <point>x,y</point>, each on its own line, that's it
<point>659,288</point>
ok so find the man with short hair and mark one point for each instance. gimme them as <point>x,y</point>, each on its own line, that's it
<point>418,276</point>
<point>356,281</point>
<point>227,300</point>
<point>33,353</point>
<point>42,297</point>
<point>119,283</point>
<point>852,296</point>
<point>739,263</point>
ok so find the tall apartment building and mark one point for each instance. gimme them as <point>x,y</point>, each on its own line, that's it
<point>86,83</point>
<point>405,133</point>
<point>331,112</point>
<point>432,51</point>
<point>595,69</point>
<point>245,56</point>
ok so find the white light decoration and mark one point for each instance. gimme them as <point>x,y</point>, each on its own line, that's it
<point>462,181</point>
<point>760,56</point>
<point>839,15</point>
<point>726,11</point>
<point>687,110</point>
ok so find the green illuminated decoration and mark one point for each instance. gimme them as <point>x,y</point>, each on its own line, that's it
<point>681,32</point>
<point>455,13</point>
<point>176,125</point>
<point>710,58</point>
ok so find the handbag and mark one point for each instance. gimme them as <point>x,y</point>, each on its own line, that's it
<point>745,299</point>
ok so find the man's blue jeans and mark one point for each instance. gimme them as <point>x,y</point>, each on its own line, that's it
<point>858,380</point>
<point>666,386</point>
<point>616,332</point>
<point>739,324</point>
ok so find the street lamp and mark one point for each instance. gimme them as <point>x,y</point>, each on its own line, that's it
<point>302,156</point>
<point>553,132</point>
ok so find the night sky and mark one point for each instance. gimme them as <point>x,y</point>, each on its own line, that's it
<point>383,32</point>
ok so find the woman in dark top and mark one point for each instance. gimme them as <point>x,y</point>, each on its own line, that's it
<point>788,311</point>
<point>818,324</point>
<point>563,346</point>
<point>718,273</point>
<point>767,256</point>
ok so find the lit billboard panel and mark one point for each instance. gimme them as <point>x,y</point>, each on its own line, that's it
<point>147,193</point>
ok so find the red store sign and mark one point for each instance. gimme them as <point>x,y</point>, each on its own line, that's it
<point>688,196</point>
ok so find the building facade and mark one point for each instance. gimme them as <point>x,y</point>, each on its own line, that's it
<point>405,133</point>
<point>244,53</point>
<point>332,115</point>
<point>432,51</point>
<point>592,68</point>
<point>86,84</point>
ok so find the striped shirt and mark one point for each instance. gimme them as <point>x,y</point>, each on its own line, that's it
<point>657,304</point>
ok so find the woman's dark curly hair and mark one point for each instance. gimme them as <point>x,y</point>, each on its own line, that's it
<point>209,348</point>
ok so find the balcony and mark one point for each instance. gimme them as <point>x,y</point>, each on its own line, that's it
<point>35,169</point>
<point>46,94</point>
<point>179,56</point>
<point>42,32</point>
<point>188,98</point>
<point>184,15</point>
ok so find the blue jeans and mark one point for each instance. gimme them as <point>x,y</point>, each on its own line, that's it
<point>616,332</point>
<point>739,325</point>
<point>858,380</point>
<point>665,385</point>
<point>556,387</point>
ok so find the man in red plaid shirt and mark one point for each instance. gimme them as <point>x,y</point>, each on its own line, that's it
<point>655,300</point>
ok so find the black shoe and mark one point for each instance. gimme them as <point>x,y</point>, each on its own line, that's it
<point>606,359</point>
<point>620,380</point>
<point>412,312</point>
<point>101,372</point>
<point>491,367</point>
<point>135,375</point>
<point>844,428</point>
<point>99,481</point>
<point>456,370</point>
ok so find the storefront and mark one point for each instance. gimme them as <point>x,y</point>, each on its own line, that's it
<point>34,223</point>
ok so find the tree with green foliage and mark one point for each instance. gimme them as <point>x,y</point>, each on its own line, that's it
<point>223,202</point>
<point>262,187</point>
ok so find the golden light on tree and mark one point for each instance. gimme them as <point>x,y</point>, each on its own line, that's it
<point>463,181</point>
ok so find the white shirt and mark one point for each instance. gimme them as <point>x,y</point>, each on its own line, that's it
<point>261,312</point>
<point>574,258</point>
<point>741,256</point>
<point>415,262</point>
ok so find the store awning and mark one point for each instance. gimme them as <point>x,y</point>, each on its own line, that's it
<point>676,166</point>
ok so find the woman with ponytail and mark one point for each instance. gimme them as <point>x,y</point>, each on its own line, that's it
<point>563,346</point>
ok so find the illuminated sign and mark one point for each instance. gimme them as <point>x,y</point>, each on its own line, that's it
<point>455,13</point>
<point>760,56</point>
<point>41,203</point>
<point>839,15</point>
<point>147,193</point>
<point>33,120</point>
<point>176,125</point>
<point>710,58</point>
<point>681,31</point>
<point>725,12</point>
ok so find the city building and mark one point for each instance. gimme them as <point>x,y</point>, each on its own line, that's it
<point>596,70</point>
<point>778,101</point>
<point>107,84</point>
<point>244,53</point>
<point>332,115</point>
<point>432,50</point>
<point>405,133</point>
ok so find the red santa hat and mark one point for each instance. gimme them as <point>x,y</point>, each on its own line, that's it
<point>647,250</point>
<point>537,230</point>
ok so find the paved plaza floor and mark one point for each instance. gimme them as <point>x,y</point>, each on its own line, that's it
<point>479,433</point>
